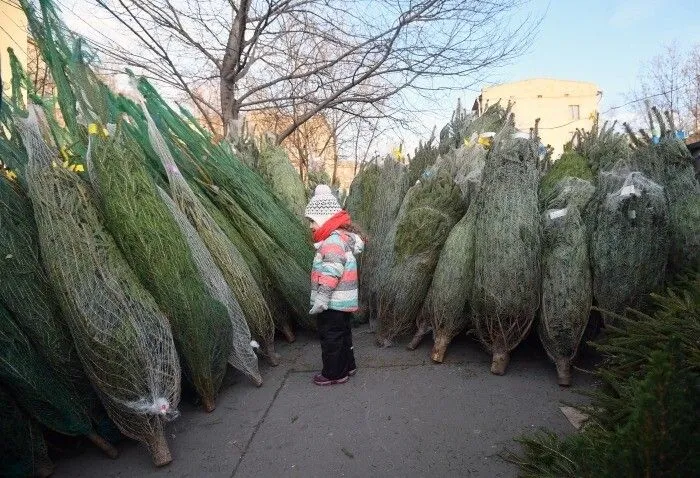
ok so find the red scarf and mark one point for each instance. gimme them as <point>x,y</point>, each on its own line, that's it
<point>336,221</point>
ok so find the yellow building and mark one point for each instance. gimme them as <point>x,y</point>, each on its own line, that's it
<point>13,33</point>
<point>561,105</point>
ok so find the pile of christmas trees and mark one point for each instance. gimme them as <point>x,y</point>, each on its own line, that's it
<point>643,419</point>
<point>493,236</point>
<point>138,256</point>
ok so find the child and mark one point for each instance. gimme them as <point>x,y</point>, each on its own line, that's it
<point>333,284</point>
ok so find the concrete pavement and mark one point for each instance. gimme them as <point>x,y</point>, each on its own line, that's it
<point>400,416</point>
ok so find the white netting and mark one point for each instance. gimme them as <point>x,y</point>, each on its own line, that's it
<point>630,240</point>
<point>378,255</point>
<point>258,320</point>
<point>505,293</point>
<point>569,191</point>
<point>567,290</point>
<point>242,355</point>
<point>466,166</point>
<point>123,339</point>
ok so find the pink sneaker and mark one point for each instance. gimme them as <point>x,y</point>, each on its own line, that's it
<point>321,380</point>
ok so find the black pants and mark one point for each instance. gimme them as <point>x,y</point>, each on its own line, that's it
<point>336,343</point>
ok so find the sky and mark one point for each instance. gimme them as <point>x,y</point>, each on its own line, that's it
<point>604,42</point>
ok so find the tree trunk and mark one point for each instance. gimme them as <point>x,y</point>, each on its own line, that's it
<point>334,179</point>
<point>230,108</point>
<point>231,68</point>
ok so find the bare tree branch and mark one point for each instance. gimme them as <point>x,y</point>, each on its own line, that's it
<point>308,57</point>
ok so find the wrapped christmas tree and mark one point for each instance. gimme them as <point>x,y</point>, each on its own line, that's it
<point>123,340</point>
<point>567,290</point>
<point>505,293</point>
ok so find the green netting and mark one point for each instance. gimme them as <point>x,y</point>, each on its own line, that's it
<point>571,164</point>
<point>287,276</point>
<point>228,259</point>
<point>284,181</point>
<point>446,307</point>
<point>23,449</point>
<point>629,244</point>
<point>431,210</point>
<point>152,243</point>
<point>48,32</point>
<point>18,80</point>
<point>505,294</point>
<point>48,398</point>
<point>12,153</point>
<point>566,287</point>
<point>246,187</point>
<point>26,292</point>
<point>275,303</point>
<point>122,338</point>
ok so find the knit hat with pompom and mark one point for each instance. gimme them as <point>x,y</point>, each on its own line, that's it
<point>323,205</point>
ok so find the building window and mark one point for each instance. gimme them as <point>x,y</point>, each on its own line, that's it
<point>574,112</point>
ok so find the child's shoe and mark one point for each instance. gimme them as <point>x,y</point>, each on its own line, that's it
<point>321,380</point>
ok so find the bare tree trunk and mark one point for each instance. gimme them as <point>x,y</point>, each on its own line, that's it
<point>231,110</point>
<point>334,178</point>
<point>231,68</point>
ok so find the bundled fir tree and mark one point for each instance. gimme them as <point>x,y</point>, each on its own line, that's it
<point>430,210</point>
<point>23,448</point>
<point>505,293</point>
<point>378,255</point>
<point>566,286</point>
<point>446,306</point>
<point>643,418</point>
<point>124,341</point>
<point>284,181</point>
<point>667,160</point>
<point>629,240</point>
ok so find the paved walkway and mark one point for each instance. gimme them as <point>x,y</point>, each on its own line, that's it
<point>400,416</point>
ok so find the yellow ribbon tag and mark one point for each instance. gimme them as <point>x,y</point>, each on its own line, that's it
<point>11,175</point>
<point>76,168</point>
<point>95,129</point>
<point>65,153</point>
<point>485,142</point>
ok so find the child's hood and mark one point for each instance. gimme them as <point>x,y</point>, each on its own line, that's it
<point>354,241</point>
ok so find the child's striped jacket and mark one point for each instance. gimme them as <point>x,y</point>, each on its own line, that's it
<point>334,272</point>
